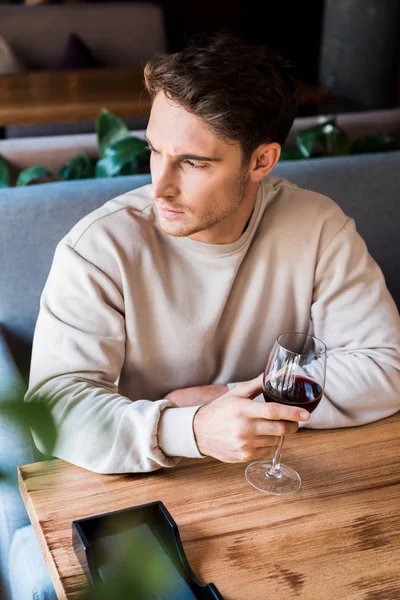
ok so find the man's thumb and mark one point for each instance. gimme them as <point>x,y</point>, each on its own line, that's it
<point>249,389</point>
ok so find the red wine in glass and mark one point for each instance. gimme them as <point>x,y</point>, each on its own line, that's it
<point>295,376</point>
<point>304,392</point>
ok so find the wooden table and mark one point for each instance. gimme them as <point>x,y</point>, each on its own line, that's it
<point>337,537</point>
<point>39,97</point>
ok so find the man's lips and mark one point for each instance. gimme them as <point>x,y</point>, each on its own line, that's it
<point>168,212</point>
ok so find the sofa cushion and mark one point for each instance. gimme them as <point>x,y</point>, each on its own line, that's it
<point>77,55</point>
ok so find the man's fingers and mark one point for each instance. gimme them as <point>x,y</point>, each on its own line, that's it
<point>266,443</point>
<point>249,389</point>
<point>265,451</point>
<point>273,411</point>
<point>263,428</point>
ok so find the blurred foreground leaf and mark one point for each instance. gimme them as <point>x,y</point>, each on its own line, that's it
<point>37,417</point>
<point>134,569</point>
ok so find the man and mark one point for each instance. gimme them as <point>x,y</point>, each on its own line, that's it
<point>163,296</point>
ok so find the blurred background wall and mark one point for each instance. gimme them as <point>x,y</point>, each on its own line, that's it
<point>351,47</point>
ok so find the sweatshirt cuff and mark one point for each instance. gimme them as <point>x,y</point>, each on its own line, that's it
<point>175,432</point>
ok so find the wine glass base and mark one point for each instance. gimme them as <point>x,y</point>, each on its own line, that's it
<point>256,475</point>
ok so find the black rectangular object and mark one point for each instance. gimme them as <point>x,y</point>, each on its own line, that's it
<point>151,530</point>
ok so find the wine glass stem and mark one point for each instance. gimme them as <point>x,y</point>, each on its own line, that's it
<point>275,470</point>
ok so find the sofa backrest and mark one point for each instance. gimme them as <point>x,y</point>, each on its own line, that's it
<point>33,220</point>
<point>366,187</point>
<point>118,34</point>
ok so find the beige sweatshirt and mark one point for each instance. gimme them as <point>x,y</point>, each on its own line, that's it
<point>129,314</point>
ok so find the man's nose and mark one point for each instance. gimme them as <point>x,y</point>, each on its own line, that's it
<point>165,183</point>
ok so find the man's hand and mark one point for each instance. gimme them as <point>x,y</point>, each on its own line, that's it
<point>194,396</point>
<point>234,428</point>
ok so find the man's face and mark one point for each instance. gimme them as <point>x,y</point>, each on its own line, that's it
<point>199,183</point>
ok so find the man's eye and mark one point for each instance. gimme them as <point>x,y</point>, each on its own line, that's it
<point>193,165</point>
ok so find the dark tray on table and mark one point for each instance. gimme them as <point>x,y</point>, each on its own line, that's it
<point>144,542</point>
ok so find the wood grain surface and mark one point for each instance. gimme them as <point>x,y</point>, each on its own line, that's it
<point>40,97</point>
<point>337,537</point>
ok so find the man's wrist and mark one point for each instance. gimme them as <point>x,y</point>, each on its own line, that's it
<point>197,425</point>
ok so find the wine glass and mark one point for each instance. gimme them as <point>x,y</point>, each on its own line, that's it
<point>294,375</point>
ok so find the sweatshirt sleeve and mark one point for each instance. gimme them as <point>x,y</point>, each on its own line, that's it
<point>354,314</point>
<point>78,354</point>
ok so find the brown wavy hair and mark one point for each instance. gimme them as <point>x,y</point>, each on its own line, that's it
<point>243,93</point>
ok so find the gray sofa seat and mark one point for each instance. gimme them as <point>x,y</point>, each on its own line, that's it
<point>16,448</point>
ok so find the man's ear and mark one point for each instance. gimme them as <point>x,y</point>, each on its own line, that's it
<point>263,160</point>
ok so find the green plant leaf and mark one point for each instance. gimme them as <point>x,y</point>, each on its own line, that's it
<point>144,161</point>
<point>118,155</point>
<point>374,143</point>
<point>130,168</point>
<point>4,173</point>
<point>79,167</point>
<point>290,152</point>
<point>307,140</point>
<point>110,129</point>
<point>35,172</point>
<point>324,139</point>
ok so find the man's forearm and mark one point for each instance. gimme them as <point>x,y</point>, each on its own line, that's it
<point>100,430</point>
<point>197,395</point>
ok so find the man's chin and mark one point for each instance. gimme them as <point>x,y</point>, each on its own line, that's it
<point>174,229</point>
<point>178,229</point>
<point>176,233</point>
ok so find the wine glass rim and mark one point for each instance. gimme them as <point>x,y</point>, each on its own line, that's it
<point>321,352</point>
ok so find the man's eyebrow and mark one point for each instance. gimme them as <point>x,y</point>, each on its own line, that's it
<point>188,156</point>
